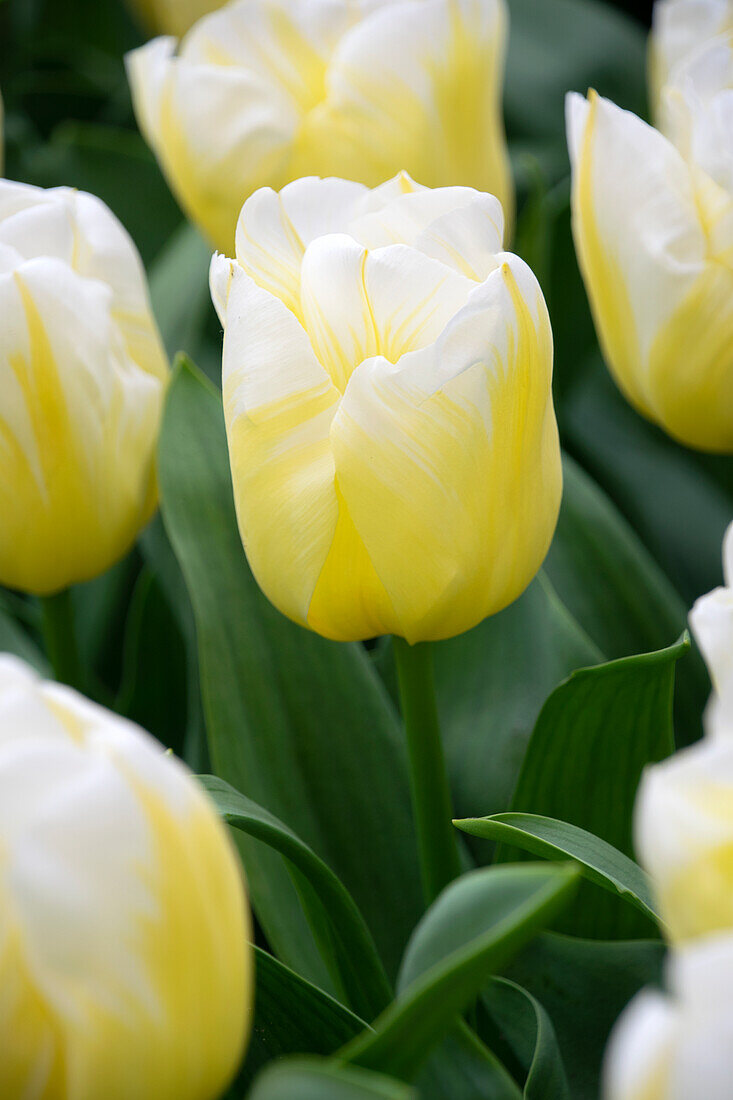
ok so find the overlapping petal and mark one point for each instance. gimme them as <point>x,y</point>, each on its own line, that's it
<point>387,387</point>
<point>267,91</point>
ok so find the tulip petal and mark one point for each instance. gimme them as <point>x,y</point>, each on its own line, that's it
<point>274,230</point>
<point>639,1054</point>
<point>661,297</point>
<point>278,410</point>
<point>446,452</point>
<point>397,89</point>
<point>460,227</point>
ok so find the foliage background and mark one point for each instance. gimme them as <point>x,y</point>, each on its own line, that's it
<point>181,640</point>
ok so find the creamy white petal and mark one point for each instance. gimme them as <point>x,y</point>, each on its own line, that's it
<point>278,411</point>
<point>421,450</point>
<point>638,1057</point>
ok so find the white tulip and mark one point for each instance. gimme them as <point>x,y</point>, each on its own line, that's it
<point>678,1046</point>
<point>711,620</point>
<point>124,958</point>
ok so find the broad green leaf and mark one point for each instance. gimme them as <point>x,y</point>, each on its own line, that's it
<point>462,1068</point>
<point>667,491</point>
<point>594,735</point>
<point>544,836</point>
<point>491,683</point>
<point>527,1029</point>
<point>309,1079</point>
<point>153,692</point>
<point>360,965</point>
<point>292,1017</point>
<point>584,985</point>
<point>300,725</point>
<point>610,582</point>
<point>474,927</point>
<point>179,291</point>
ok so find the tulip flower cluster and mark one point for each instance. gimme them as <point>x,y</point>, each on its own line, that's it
<point>653,224</point>
<point>679,1045</point>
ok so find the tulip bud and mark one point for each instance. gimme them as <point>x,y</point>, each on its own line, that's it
<point>684,837</point>
<point>82,375</point>
<point>266,91</point>
<point>173,16</point>
<point>679,29</point>
<point>387,392</point>
<point>678,1046</point>
<point>711,620</point>
<point>124,964</point>
<point>654,236</point>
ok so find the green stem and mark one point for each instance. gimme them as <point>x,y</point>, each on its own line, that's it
<point>431,799</point>
<point>59,635</point>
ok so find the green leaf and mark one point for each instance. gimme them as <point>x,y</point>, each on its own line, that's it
<point>491,683</point>
<point>301,725</point>
<point>668,492</point>
<point>179,291</point>
<point>594,735</point>
<point>474,927</point>
<point>360,965</point>
<point>292,1017</point>
<point>153,692</point>
<point>557,840</point>
<point>584,985</point>
<point>15,639</point>
<point>563,45</point>
<point>610,582</point>
<point>527,1029</point>
<point>309,1079</point>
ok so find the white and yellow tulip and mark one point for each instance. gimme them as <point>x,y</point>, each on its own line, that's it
<point>711,620</point>
<point>653,227</point>
<point>681,29</point>
<point>387,391</point>
<point>82,378</point>
<point>266,91</point>
<point>678,1046</point>
<point>684,837</point>
<point>125,965</point>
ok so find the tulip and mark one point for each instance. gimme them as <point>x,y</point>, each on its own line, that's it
<point>124,964</point>
<point>266,91</point>
<point>82,378</point>
<point>711,620</point>
<point>680,28</point>
<point>173,16</point>
<point>678,1046</point>
<point>387,394</point>
<point>654,236</point>
<point>684,837</point>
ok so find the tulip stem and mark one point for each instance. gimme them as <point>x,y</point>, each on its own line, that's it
<point>59,634</point>
<point>431,798</point>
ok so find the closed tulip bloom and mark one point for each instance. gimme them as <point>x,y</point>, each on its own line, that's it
<point>680,28</point>
<point>678,1046</point>
<point>684,837</point>
<point>653,227</point>
<point>82,377</point>
<point>266,91</point>
<point>173,16</point>
<point>124,961</point>
<point>711,620</point>
<point>387,392</point>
